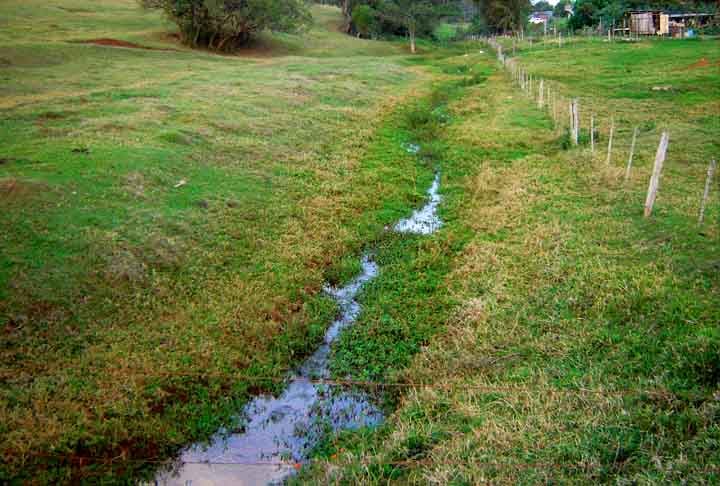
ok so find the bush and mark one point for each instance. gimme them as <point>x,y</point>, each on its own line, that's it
<point>445,33</point>
<point>226,24</point>
<point>364,18</point>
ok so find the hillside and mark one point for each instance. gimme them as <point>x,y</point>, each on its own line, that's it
<point>573,340</point>
<point>154,206</point>
<point>173,224</point>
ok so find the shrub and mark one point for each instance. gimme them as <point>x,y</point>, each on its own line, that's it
<point>364,18</point>
<point>226,24</point>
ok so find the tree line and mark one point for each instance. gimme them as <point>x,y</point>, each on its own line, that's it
<point>411,18</point>
<point>227,24</point>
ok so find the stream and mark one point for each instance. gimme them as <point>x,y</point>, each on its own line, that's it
<point>280,433</point>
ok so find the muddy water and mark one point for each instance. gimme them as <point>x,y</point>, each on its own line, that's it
<point>281,432</point>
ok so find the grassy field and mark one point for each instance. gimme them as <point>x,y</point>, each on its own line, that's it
<point>168,219</point>
<point>564,338</point>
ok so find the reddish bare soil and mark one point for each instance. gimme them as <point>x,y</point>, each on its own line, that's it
<point>15,190</point>
<point>703,63</point>
<point>120,43</point>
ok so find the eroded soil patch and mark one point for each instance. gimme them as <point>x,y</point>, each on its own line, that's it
<point>120,43</point>
<point>703,63</point>
<point>16,189</point>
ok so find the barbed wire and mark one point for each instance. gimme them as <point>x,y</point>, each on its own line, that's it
<point>83,461</point>
<point>489,388</point>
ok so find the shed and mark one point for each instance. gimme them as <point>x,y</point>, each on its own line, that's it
<point>649,23</point>
<point>657,22</point>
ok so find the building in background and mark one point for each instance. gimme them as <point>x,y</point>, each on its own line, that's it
<point>657,22</point>
<point>541,17</point>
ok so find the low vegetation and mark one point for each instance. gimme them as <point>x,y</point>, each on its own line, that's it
<point>169,217</point>
<point>155,206</point>
<point>410,18</point>
<point>554,333</point>
<point>225,24</point>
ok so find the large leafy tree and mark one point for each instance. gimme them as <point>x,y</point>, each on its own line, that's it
<point>416,15</point>
<point>413,18</point>
<point>559,10</point>
<point>225,24</point>
<point>542,6</point>
<point>504,15</point>
<point>364,18</point>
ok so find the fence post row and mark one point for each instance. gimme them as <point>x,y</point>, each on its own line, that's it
<point>548,98</point>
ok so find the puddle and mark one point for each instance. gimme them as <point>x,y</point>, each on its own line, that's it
<point>279,433</point>
<point>425,220</point>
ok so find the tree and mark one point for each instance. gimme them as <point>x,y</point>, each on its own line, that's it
<point>585,13</point>
<point>612,12</point>
<point>559,10</point>
<point>364,18</point>
<point>416,15</point>
<point>504,15</point>
<point>226,24</point>
<point>542,6</point>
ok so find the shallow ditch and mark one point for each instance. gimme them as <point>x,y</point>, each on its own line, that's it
<point>279,433</point>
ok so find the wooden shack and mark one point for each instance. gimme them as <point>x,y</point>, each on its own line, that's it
<point>656,22</point>
<point>649,23</point>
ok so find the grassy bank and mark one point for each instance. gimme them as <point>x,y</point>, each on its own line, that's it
<point>168,219</point>
<point>578,341</point>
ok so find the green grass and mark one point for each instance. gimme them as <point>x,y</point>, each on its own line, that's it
<point>168,220</point>
<point>565,338</point>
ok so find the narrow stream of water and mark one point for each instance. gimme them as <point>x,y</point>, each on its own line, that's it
<point>424,221</point>
<point>281,432</point>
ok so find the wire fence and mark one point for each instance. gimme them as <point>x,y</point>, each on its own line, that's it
<point>586,466</point>
<point>290,374</point>
<point>608,140</point>
<point>122,460</point>
<point>586,123</point>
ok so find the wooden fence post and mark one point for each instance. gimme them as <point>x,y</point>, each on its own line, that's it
<point>610,140</point>
<point>530,87</point>
<point>706,194</point>
<point>632,153</point>
<point>576,121</point>
<point>541,94</point>
<point>549,102</point>
<point>548,96</point>
<point>657,170</point>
